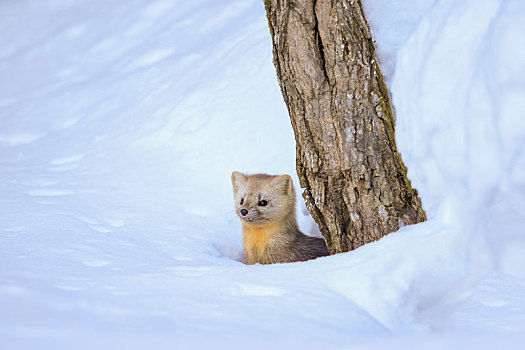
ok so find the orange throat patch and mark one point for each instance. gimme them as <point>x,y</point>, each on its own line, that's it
<point>256,239</point>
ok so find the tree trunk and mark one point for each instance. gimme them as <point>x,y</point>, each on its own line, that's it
<point>355,181</point>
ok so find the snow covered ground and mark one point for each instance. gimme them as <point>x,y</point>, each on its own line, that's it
<point>121,122</point>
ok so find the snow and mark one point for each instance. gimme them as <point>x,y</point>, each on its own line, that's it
<point>122,121</point>
<point>462,156</point>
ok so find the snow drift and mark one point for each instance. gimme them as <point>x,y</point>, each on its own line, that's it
<point>122,121</point>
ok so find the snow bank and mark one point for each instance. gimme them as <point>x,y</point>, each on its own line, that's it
<point>121,124</point>
<point>459,93</point>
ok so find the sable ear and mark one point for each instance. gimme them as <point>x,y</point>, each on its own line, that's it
<point>285,183</point>
<point>238,180</point>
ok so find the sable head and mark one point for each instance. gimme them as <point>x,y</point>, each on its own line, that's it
<point>261,199</point>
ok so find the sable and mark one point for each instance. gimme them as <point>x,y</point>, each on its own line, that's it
<point>266,206</point>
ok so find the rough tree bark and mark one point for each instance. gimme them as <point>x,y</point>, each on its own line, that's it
<point>355,182</point>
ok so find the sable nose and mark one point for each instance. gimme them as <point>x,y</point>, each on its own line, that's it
<point>244,212</point>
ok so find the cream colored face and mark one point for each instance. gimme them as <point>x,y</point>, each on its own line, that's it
<point>262,199</point>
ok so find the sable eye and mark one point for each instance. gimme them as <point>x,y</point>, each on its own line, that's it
<point>242,201</point>
<point>263,203</point>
